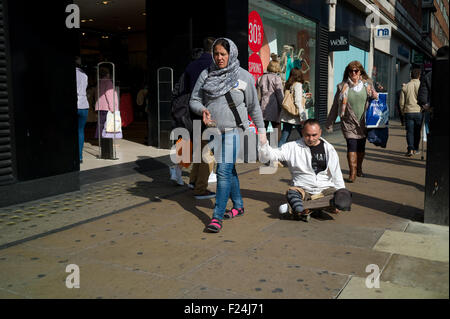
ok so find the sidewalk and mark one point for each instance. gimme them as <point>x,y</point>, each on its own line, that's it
<point>136,235</point>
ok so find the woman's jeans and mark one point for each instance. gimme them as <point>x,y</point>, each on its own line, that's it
<point>413,124</point>
<point>227,178</point>
<point>82,118</point>
<point>286,132</point>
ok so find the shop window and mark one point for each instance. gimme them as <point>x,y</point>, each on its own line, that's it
<point>381,71</point>
<point>291,39</point>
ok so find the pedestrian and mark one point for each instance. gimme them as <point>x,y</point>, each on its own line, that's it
<point>203,172</point>
<point>351,102</point>
<point>397,106</point>
<point>82,103</point>
<point>314,164</point>
<point>412,112</point>
<point>107,101</point>
<point>295,84</point>
<point>224,95</point>
<point>271,88</point>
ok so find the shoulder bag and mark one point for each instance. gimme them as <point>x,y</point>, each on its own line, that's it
<point>288,103</point>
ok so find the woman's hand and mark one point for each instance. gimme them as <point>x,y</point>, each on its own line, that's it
<point>207,118</point>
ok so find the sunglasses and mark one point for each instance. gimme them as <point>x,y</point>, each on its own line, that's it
<point>355,71</point>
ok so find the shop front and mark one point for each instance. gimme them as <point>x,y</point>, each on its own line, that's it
<point>287,37</point>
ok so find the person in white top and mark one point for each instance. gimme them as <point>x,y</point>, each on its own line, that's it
<point>294,83</point>
<point>314,166</point>
<point>83,104</point>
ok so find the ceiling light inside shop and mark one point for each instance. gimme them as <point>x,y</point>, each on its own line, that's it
<point>129,28</point>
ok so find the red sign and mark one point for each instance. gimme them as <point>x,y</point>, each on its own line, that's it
<point>255,66</point>
<point>255,31</point>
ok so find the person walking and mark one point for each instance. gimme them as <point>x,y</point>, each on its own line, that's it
<point>351,102</point>
<point>295,84</point>
<point>82,103</point>
<point>271,88</point>
<point>107,101</point>
<point>224,95</point>
<point>412,112</point>
<point>201,172</point>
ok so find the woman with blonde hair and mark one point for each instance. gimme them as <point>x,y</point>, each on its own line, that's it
<point>351,102</point>
<point>270,88</point>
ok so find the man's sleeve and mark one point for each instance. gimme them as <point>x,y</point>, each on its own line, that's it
<point>335,169</point>
<point>267,153</point>
<point>402,101</point>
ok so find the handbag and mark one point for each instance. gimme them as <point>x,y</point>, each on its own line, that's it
<point>288,103</point>
<point>113,122</point>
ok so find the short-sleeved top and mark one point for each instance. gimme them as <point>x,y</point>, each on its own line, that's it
<point>319,159</point>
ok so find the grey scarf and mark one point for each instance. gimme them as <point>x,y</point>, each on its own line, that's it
<point>220,81</point>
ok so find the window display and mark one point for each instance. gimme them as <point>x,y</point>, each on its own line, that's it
<point>290,39</point>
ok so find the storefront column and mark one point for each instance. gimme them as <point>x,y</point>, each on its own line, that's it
<point>332,28</point>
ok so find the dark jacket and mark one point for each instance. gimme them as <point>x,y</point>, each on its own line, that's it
<point>424,95</point>
<point>194,69</point>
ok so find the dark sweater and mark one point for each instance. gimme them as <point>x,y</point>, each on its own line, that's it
<point>194,69</point>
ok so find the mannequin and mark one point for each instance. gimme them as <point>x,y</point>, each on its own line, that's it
<point>299,61</point>
<point>286,62</point>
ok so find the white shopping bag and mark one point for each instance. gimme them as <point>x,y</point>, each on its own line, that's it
<point>113,122</point>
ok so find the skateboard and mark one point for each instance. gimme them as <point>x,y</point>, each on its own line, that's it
<point>314,204</point>
<point>306,215</point>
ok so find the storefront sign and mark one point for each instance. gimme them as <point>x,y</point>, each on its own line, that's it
<point>338,41</point>
<point>255,66</point>
<point>255,31</point>
<point>383,31</point>
<point>417,58</point>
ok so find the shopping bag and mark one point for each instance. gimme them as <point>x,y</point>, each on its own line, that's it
<point>288,103</point>
<point>113,122</point>
<point>181,147</point>
<point>377,114</point>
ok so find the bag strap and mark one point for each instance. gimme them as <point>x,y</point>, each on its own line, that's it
<point>233,109</point>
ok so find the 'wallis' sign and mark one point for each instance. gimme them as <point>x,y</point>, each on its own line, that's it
<point>338,41</point>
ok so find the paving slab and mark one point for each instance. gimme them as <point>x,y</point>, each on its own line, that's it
<point>263,278</point>
<point>418,273</point>
<point>356,289</point>
<point>430,247</point>
<point>428,229</point>
<point>323,256</point>
<point>326,231</point>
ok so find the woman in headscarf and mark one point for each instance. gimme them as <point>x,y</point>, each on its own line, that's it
<point>351,102</point>
<point>219,88</point>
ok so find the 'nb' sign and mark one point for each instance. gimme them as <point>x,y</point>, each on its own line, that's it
<point>383,31</point>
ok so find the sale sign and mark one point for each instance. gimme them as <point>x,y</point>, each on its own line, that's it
<point>255,31</point>
<point>255,66</point>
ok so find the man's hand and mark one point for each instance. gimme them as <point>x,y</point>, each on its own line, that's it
<point>262,138</point>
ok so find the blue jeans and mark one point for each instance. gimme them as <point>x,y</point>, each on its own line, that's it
<point>413,124</point>
<point>82,118</point>
<point>227,178</point>
<point>286,132</point>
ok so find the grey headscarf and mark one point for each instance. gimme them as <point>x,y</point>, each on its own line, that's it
<point>220,81</point>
